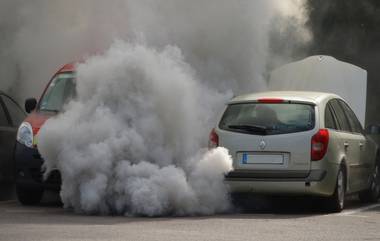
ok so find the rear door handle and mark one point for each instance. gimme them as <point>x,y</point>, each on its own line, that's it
<point>346,145</point>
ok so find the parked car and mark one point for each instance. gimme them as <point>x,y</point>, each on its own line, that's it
<point>30,184</point>
<point>305,143</point>
<point>11,115</point>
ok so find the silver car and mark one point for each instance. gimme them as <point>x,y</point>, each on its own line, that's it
<point>301,143</point>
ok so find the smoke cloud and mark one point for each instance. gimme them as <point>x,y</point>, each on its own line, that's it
<point>129,142</point>
<point>226,43</point>
<point>132,141</point>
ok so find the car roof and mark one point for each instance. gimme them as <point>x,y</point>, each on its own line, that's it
<point>299,96</point>
<point>70,67</point>
<point>10,97</point>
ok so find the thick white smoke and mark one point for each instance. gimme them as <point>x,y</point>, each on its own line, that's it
<point>129,142</point>
<point>133,140</point>
<point>225,41</point>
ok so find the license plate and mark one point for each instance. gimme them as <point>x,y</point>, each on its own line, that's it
<point>247,158</point>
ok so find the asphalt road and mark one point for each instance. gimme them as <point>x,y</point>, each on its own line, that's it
<point>285,219</point>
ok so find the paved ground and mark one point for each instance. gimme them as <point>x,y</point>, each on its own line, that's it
<point>288,219</point>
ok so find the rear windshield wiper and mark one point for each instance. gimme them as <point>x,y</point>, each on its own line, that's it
<point>251,128</point>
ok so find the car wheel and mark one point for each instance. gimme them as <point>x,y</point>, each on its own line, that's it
<point>372,194</point>
<point>29,196</point>
<point>337,200</point>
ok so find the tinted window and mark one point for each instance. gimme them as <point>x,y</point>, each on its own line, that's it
<point>373,129</point>
<point>3,117</point>
<point>344,125</point>
<point>353,120</point>
<point>17,115</point>
<point>268,119</point>
<point>329,118</point>
<point>60,90</point>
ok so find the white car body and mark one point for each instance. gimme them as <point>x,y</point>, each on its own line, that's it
<point>282,163</point>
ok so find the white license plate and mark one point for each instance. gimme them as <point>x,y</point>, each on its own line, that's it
<point>247,158</point>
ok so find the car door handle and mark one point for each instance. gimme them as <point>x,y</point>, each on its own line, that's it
<point>346,145</point>
<point>361,144</point>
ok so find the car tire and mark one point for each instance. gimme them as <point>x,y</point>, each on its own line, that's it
<point>29,196</point>
<point>337,200</point>
<point>372,194</point>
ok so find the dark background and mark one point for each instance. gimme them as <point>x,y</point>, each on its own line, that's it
<point>349,30</point>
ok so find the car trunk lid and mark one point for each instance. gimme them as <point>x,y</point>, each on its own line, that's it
<point>269,148</point>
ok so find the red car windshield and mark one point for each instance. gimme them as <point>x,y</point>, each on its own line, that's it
<point>59,92</point>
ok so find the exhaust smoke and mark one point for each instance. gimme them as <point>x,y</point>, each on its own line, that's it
<point>132,141</point>
<point>229,44</point>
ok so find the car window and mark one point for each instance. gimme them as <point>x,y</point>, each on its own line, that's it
<point>3,117</point>
<point>329,118</point>
<point>343,122</point>
<point>16,113</point>
<point>373,129</point>
<point>59,92</point>
<point>353,120</point>
<point>268,119</point>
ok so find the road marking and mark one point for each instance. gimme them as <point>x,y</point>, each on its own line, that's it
<point>358,210</point>
<point>356,216</point>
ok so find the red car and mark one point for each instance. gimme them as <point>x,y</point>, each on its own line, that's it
<point>29,181</point>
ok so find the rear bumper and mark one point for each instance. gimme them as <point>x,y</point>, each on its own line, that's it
<point>28,170</point>
<point>316,183</point>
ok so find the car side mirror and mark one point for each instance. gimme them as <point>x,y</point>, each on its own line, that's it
<point>373,129</point>
<point>30,104</point>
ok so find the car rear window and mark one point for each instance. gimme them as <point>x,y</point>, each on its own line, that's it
<point>268,119</point>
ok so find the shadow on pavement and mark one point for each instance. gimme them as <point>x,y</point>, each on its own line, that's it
<point>250,204</point>
<point>254,204</point>
<point>251,207</point>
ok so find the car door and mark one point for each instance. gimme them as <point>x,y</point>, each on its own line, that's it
<point>335,141</point>
<point>15,115</point>
<point>365,161</point>
<point>350,142</point>
<point>7,140</point>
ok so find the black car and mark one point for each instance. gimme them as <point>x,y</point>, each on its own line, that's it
<point>11,116</point>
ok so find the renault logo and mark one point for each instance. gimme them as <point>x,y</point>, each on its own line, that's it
<point>262,145</point>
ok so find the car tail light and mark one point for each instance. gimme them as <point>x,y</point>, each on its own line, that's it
<point>213,139</point>
<point>319,144</point>
<point>270,100</point>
